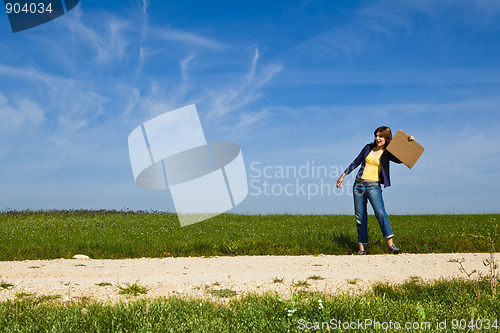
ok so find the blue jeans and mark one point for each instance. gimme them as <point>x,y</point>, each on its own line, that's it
<point>364,192</point>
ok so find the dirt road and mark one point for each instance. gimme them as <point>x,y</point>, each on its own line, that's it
<point>96,279</point>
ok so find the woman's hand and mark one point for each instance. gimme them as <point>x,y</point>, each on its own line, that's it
<point>411,138</point>
<point>340,180</point>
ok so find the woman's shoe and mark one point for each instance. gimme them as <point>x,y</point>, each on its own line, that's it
<point>361,252</point>
<point>394,249</point>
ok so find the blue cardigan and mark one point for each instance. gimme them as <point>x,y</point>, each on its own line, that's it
<point>384,161</point>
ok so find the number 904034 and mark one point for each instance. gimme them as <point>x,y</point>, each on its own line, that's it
<point>28,8</point>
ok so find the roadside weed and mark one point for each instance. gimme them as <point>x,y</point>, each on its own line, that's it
<point>223,293</point>
<point>132,289</point>
<point>301,283</point>
<point>5,285</point>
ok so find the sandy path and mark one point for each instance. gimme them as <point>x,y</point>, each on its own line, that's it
<point>74,279</point>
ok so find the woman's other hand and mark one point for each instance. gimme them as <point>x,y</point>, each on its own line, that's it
<point>411,138</point>
<point>340,180</point>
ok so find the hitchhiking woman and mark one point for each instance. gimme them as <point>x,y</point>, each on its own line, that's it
<point>374,171</point>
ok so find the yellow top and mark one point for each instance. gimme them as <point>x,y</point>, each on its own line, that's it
<point>372,166</point>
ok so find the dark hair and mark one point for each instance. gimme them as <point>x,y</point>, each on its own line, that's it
<point>384,132</point>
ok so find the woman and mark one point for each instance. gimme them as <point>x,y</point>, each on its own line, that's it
<point>374,160</point>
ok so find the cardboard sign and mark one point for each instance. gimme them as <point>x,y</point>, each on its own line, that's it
<point>406,151</point>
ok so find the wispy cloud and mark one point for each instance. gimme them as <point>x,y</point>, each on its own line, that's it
<point>334,76</point>
<point>184,65</point>
<point>248,91</point>
<point>229,105</point>
<point>380,19</point>
<point>145,5</point>
<point>158,97</point>
<point>352,37</point>
<point>331,129</point>
<point>62,122</point>
<point>108,37</point>
<point>154,40</point>
<point>69,98</point>
<point>187,38</point>
<point>33,75</point>
<point>19,114</point>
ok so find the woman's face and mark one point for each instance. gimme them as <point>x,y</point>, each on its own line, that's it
<point>379,140</point>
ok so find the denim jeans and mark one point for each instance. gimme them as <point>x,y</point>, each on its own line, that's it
<point>364,192</point>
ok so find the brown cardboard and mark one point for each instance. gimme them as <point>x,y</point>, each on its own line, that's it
<point>406,151</point>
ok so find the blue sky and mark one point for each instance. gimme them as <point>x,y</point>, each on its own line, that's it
<point>294,83</point>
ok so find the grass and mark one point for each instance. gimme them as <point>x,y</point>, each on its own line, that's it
<point>278,280</point>
<point>301,283</point>
<point>126,234</point>
<point>413,302</point>
<point>133,289</point>
<point>23,294</point>
<point>5,285</point>
<point>103,234</point>
<point>223,293</point>
<point>352,281</point>
<point>44,298</point>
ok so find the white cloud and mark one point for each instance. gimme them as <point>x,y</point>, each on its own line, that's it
<point>187,38</point>
<point>388,17</point>
<point>31,74</point>
<point>145,5</point>
<point>19,115</point>
<point>435,77</point>
<point>107,35</point>
<point>249,90</point>
<point>226,104</point>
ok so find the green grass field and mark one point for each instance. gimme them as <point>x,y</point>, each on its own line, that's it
<point>127,234</point>
<point>443,306</point>
<point>454,305</point>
